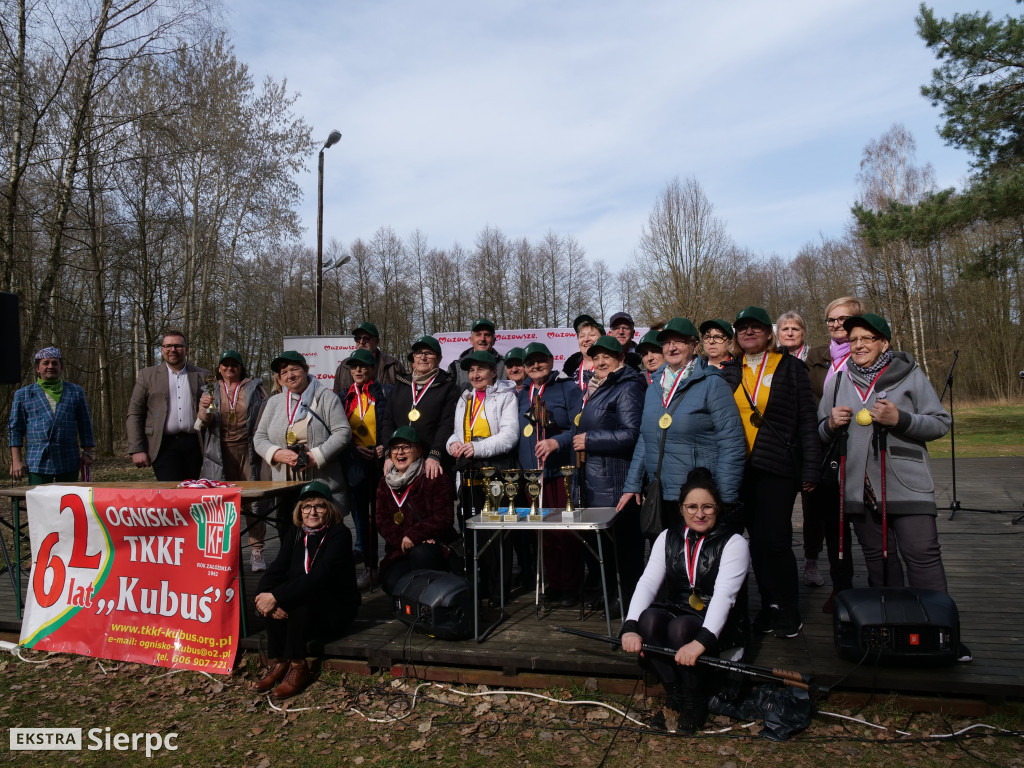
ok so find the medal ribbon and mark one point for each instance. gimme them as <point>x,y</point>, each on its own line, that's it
<point>836,367</point>
<point>233,397</point>
<point>400,501</point>
<point>579,377</point>
<point>307,563</point>
<point>292,412</point>
<point>358,401</point>
<point>691,561</point>
<point>675,385</point>
<point>757,381</point>
<point>864,395</point>
<point>539,392</point>
<point>416,398</point>
<point>477,407</point>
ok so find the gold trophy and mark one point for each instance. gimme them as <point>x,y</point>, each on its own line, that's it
<point>211,383</point>
<point>511,488</point>
<point>569,511</point>
<point>533,489</point>
<point>489,514</point>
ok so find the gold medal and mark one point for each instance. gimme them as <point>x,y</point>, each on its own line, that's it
<point>291,437</point>
<point>399,518</point>
<point>665,421</point>
<point>528,430</point>
<point>362,430</point>
<point>576,421</point>
<point>414,415</point>
<point>864,417</point>
<point>756,419</point>
<point>232,417</point>
<point>695,602</point>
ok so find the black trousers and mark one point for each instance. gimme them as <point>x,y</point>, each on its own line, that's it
<point>180,458</point>
<point>768,513</point>
<point>307,629</point>
<point>822,505</point>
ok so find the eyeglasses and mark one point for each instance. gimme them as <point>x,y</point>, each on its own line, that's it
<point>172,346</point>
<point>836,320</point>
<point>864,340</point>
<point>715,339</point>
<point>707,509</point>
<point>752,329</point>
<point>424,353</point>
<point>362,339</point>
<point>309,509</point>
<point>401,448</point>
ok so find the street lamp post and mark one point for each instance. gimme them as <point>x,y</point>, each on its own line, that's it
<point>332,139</point>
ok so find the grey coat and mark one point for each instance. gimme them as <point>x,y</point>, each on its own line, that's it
<point>908,477</point>
<point>213,456</point>
<point>327,436</point>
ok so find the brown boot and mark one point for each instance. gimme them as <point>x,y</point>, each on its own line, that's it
<point>278,669</point>
<point>295,681</point>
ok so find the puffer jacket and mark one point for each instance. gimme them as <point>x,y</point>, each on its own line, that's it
<point>563,399</point>
<point>501,412</point>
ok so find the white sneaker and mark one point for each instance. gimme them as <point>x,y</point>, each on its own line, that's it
<point>812,576</point>
<point>256,560</point>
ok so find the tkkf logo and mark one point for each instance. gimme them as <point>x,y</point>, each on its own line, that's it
<point>214,518</point>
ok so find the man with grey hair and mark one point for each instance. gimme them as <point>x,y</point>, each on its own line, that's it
<point>48,420</point>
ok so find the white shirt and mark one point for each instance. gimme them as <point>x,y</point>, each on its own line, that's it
<point>181,413</point>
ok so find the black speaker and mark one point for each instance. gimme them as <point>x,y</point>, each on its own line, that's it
<point>436,603</point>
<point>10,339</point>
<point>898,627</point>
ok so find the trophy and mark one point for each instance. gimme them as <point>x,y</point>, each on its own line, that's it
<point>511,488</point>
<point>211,383</point>
<point>489,514</point>
<point>533,488</point>
<point>570,510</point>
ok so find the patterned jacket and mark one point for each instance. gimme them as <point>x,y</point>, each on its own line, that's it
<point>52,436</point>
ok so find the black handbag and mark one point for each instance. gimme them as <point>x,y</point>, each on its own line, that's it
<point>831,459</point>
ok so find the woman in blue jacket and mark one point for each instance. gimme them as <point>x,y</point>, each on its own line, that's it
<point>693,407</point>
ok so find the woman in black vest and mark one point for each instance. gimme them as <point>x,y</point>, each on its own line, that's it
<point>702,561</point>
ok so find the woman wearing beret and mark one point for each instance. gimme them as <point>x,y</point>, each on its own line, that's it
<point>547,407</point>
<point>692,408</point>
<point>308,594</point>
<point>890,410</point>
<point>784,456</point>
<point>651,358</point>
<point>414,512</point>
<point>424,400</point>
<point>227,435</point>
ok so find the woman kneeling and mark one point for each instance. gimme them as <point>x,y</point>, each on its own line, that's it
<point>703,564</point>
<point>308,594</point>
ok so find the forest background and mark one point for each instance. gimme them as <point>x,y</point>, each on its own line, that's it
<point>148,182</point>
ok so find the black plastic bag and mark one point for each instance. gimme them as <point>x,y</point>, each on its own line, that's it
<point>785,711</point>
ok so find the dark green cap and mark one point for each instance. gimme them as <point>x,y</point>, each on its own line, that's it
<point>483,322</point>
<point>404,434</point>
<point>286,357</point>
<point>426,341</point>
<point>586,319</point>
<point>367,327</point>
<point>536,348</point>
<point>479,357</point>
<point>872,322</point>
<point>678,325</point>
<point>231,355</point>
<point>757,314</point>
<point>649,339</point>
<point>361,357</point>
<point>516,353</point>
<point>723,325</point>
<point>315,488</point>
<point>606,344</point>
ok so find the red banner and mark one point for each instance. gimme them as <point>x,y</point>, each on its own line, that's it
<point>135,575</point>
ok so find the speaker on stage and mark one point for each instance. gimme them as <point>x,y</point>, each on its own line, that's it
<point>10,339</point>
<point>899,627</point>
<point>436,603</point>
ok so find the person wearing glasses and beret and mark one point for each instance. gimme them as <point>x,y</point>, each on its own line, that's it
<point>890,411</point>
<point>716,337</point>
<point>162,414</point>
<point>308,595</point>
<point>385,368</point>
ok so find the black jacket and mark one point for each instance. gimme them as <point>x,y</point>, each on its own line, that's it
<point>437,415</point>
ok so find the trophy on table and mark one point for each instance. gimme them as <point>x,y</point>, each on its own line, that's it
<point>570,510</point>
<point>533,489</point>
<point>511,489</point>
<point>492,495</point>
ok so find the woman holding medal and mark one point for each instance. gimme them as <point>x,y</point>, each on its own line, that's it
<point>227,435</point>
<point>783,457</point>
<point>546,411</point>
<point>701,563</point>
<point>414,512</point>
<point>424,400</point>
<point>308,594</point>
<point>691,408</point>
<point>890,410</point>
<point>579,367</point>
<point>364,399</point>
<point>303,431</point>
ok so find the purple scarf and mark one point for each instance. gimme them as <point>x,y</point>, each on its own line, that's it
<point>838,352</point>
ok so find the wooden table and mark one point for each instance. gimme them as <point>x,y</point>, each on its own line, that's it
<point>252,491</point>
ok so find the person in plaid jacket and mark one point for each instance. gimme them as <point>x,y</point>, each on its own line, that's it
<point>48,420</point>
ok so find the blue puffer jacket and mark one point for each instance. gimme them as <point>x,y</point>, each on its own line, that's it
<point>611,422</point>
<point>705,432</point>
<point>562,398</point>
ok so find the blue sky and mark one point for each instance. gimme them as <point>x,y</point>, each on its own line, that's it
<point>535,115</point>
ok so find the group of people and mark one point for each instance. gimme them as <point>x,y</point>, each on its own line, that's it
<point>696,435</point>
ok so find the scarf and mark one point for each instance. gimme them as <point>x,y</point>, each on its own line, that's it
<point>423,378</point>
<point>398,480</point>
<point>837,351</point>
<point>305,399</point>
<point>53,389</point>
<point>883,360</point>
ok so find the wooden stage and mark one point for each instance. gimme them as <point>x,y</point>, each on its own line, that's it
<point>984,557</point>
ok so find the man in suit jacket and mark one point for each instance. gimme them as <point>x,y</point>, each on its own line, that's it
<point>162,413</point>
<point>48,419</point>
